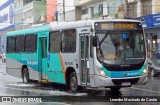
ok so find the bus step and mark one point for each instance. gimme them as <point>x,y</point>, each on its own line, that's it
<point>44,81</point>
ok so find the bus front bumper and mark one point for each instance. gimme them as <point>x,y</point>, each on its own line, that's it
<point>120,82</point>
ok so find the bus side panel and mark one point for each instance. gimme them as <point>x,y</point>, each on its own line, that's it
<point>58,63</point>
<point>13,65</point>
<point>55,69</point>
<point>33,74</point>
<point>70,60</point>
<point>31,61</point>
<point>15,62</point>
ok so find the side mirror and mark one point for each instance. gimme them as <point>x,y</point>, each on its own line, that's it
<point>94,41</point>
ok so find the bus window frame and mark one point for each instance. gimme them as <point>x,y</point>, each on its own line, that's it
<point>60,42</point>
<point>36,45</point>
<point>23,44</point>
<point>10,52</point>
<point>62,33</point>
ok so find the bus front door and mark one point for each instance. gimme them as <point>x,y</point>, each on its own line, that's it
<point>84,59</point>
<point>43,59</point>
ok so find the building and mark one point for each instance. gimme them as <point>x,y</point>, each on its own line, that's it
<point>18,14</point>
<point>6,21</point>
<point>93,9</point>
<point>52,14</point>
<point>90,9</point>
<point>66,10</point>
<point>34,12</point>
<point>29,12</point>
<point>148,11</point>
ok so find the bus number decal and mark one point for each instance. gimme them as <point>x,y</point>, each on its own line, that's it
<point>69,63</point>
<point>32,62</point>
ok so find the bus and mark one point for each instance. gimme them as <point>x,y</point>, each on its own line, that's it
<point>91,54</point>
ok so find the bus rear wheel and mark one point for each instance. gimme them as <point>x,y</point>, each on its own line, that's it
<point>73,85</point>
<point>25,76</point>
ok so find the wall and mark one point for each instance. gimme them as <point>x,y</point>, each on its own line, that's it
<point>18,14</point>
<point>155,6</point>
<point>69,16</point>
<point>40,12</point>
<point>27,20</point>
<point>90,5</point>
<point>116,8</point>
<point>51,10</point>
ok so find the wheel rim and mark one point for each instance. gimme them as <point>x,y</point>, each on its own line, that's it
<point>152,73</point>
<point>73,84</point>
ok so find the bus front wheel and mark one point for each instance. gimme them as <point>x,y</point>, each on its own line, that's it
<point>73,85</point>
<point>25,75</point>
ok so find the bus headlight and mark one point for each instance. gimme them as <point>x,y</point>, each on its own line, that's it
<point>144,72</point>
<point>101,72</point>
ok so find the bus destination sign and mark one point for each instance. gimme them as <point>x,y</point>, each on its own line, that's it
<point>117,26</point>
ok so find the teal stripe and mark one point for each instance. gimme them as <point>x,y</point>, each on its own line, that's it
<point>124,74</point>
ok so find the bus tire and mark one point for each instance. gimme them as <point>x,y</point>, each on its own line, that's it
<point>25,75</point>
<point>115,89</point>
<point>73,84</point>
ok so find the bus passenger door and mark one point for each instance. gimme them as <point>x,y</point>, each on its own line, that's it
<point>43,58</point>
<point>84,59</point>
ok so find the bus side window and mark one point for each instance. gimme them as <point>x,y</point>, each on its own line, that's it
<point>20,40</point>
<point>69,41</point>
<point>31,43</point>
<point>54,41</point>
<point>11,44</point>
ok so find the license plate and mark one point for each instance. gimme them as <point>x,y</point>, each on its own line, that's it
<point>126,83</point>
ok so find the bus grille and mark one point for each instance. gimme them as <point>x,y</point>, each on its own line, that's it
<point>119,81</point>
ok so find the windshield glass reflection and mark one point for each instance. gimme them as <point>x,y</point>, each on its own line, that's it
<point>117,47</point>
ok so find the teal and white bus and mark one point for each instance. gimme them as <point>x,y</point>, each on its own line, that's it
<point>92,54</point>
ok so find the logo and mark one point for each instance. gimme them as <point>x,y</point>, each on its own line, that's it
<point>11,14</point>
<point>6,99</point>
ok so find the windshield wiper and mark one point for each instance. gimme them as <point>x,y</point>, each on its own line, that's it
<point>104,38</point>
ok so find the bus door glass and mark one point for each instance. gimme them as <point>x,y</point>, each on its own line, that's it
<point>43,57</point>
<point>84,58</point>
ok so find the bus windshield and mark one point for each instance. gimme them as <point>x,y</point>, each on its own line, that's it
<point>121,47</point>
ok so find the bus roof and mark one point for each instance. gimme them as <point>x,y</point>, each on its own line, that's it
<point>82,23</point>
<point>29,31</point>
<point>64,25</point>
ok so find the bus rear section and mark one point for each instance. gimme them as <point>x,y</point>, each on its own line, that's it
<point>24,53</point>
<point>119,54</point>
